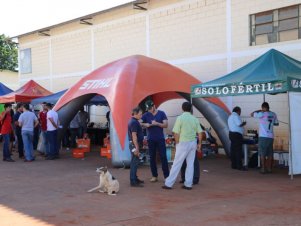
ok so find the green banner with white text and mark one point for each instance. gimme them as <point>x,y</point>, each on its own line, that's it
<point>238,89</point>
<point>294,84</point>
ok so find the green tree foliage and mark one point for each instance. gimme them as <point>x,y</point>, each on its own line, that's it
<point>8,54</point>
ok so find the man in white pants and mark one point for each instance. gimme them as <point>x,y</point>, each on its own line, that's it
<point>185,130</point>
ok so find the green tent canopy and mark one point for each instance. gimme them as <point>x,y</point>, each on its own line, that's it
<point>273,72</point>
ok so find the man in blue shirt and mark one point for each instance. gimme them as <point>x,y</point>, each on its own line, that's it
<point>28,121</point>
<point>236,131</point>
<point>154,121</point>
<point>136,142</point>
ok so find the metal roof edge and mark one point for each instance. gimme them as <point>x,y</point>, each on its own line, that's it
<point>73,20</point>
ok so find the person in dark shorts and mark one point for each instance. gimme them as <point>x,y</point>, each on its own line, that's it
<point>267,121</point>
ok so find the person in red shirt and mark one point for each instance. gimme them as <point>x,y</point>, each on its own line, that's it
<point>6,130</point>
<point>43,122</point>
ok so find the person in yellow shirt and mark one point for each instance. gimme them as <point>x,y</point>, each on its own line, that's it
<point>185,130</point>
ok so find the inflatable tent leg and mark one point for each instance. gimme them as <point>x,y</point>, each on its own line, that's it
<point>120,157</point>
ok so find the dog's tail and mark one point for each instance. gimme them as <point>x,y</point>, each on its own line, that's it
<point>93,189</point>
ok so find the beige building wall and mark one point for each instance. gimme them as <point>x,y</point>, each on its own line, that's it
<point>10,79</point>
<point>115,41</point>
<point>206,38</point>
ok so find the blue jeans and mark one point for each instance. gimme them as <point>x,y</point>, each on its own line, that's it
<point>45,143</point>
<point>36,136</point>
<point>6,154</point>
<point>133,171</point>
<point>27,137</point>
<point>153,146</point>
<point>134,166</point>
<point>74,133</point>
<point>53,144</point>
<point>81,131</point>
<point>20,142</point>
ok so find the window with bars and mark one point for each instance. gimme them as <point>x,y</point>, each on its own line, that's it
<point>275,25</point>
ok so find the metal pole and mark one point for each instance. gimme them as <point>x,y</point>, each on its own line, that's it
<point>290,137</point>
<point>191,104</point>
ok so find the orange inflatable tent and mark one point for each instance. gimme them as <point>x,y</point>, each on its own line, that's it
<point>128,81</point>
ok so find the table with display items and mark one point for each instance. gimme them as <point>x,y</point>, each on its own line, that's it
<point>250,145</point>
<point>246,142</point>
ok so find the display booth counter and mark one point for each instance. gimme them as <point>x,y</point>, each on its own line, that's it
<point>282,156</point>
<point>250,146</point>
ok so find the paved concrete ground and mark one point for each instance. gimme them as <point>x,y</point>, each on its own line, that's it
<point>54,193</point>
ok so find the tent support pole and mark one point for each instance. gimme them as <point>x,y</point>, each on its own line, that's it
<point>290,137</point>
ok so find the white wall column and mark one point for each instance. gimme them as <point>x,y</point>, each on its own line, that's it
<point>229,100</point>
<point>147,33</point>
<point>50,64</point>
<point>92,49</point>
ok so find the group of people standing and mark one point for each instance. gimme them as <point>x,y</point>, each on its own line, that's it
<point>267,120</point>
<point>22,124</point>
<point>185,131</point>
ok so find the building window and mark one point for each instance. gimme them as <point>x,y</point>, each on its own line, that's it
<point>276,25</point>
<point>25,61</point>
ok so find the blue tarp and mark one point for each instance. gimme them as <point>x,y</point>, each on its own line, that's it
<point>53,98</point>
<point>4,90</point>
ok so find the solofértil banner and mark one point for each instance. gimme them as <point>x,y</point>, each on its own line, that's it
<point>202,90</point>
<point>294,84</point>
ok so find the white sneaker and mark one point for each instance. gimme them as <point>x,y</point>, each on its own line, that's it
<point>154,179</point>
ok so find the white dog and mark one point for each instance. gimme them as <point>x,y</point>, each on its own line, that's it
<point>107,183</point>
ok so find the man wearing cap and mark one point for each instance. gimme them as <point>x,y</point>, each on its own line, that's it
<point>154,121</point>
